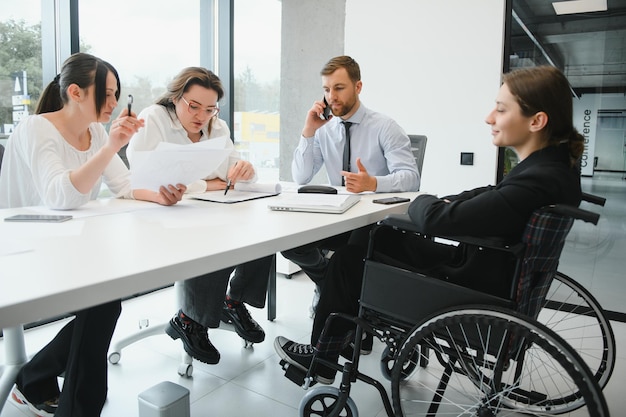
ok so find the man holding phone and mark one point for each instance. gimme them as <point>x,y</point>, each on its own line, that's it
<point>361,149</point>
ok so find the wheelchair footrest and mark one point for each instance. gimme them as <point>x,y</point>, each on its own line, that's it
<point>295,375</point>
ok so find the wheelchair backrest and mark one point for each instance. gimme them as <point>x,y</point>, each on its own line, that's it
<point>544,239</point>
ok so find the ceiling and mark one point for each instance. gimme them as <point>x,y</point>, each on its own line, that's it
<point>590,48</point>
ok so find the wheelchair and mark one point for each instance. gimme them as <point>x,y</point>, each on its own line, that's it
<point>473,353</point>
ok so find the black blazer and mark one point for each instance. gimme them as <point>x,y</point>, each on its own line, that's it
<point>544,177</point>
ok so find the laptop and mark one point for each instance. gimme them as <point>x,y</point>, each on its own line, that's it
<point>314,203</point>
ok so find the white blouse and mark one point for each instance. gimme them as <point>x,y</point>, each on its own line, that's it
<point>163,126</point>
<point>38,161</point>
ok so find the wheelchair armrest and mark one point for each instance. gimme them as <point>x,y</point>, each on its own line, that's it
<point>575,212</point>
<point>400,221</point>
<point>594,199</point>
<point>403,222</point>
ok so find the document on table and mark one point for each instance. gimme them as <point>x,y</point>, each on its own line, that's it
<point>177,164</point>
<point>242,191</point>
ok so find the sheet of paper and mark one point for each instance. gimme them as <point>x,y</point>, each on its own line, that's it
<point>176,164</point>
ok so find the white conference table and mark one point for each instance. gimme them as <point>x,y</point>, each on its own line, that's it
<point>115,248</point>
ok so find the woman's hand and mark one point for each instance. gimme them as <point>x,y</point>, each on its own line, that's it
<point>123,128</point>
<point>215,184</point>
<point>171,195</point>
<point>240,171</point>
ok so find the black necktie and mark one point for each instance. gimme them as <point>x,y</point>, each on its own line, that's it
<point>346,150</point>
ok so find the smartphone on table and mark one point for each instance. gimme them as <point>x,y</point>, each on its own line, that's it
<point>391,200</point>
<point>46,218</point>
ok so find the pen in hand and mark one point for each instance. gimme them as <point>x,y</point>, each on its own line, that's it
<point>229,181</point>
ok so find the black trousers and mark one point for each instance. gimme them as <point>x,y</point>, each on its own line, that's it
<point>203,296</point>
<point>311,258</point>
<point>79,351</point>
<point>483,270</point>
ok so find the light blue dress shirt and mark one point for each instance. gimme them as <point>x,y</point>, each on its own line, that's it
<point>382,145</point>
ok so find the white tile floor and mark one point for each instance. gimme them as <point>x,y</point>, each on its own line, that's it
<point>246,382</point>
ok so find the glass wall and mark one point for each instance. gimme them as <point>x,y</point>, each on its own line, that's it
<point>256,50</point>
<point>148,43</point>
<point>20,62</point>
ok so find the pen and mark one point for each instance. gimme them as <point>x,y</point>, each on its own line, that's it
<point>228,182</point>
<point>130,102</point>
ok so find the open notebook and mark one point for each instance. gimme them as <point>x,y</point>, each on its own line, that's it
<point>315,203</point>
<point>242,191</point>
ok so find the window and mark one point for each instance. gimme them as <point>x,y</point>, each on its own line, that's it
<point>257,32</point>
<point>148,43</point>
<point>20,62</point>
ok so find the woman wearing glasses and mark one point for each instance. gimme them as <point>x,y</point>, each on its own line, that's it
<point>185,114</point>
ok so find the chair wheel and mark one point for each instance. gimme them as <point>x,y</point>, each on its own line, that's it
<point>114,357</point>
<point>320,401</point>
<point>185,370</point>
<point>247,344</point>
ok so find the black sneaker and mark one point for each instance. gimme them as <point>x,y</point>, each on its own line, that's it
<point>236,313</point>
<point>45,409</point>
<point>301,356</point>
<point>195,339</point>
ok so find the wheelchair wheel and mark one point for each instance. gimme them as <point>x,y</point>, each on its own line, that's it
<point>387,362</point>
<point>320,401</point>
<point>575,315</point>
<point>492,362</point>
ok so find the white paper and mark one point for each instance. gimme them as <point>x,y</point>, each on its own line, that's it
<point>177,164</point>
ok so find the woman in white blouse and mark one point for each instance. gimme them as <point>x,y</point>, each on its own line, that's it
<point>188,113</point>
<point>58,158</point>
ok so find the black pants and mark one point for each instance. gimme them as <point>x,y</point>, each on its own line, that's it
<point>80,351</point>
<point>203,296</point>
<point>484,270</point>
<point>311,258</point>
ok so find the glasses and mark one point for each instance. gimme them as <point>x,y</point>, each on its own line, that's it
<point>195,109</point>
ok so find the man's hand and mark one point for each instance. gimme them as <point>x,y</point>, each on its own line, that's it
<point>313,120</point>
<point>357,182</point>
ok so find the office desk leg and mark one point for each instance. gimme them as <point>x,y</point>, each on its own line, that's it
<point>271,292</point>
<point>15,358</point>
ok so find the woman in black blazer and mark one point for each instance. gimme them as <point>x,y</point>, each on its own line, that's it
<point>533,116</point>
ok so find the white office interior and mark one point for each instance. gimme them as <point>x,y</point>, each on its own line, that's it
<point>435,67</point>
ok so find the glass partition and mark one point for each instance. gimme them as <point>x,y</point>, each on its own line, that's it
<point>20,62</point>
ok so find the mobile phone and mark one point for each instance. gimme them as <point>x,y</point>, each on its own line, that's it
<point>130,103</point>
<point>391,200</point>
<point>47,218</point>
<point>327,111</point>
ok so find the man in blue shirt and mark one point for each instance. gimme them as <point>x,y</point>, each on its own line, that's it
<point>360,148</point>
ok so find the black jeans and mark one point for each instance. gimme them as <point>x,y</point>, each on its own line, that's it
<point>203,296</point>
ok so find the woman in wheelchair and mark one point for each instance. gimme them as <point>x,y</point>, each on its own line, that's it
<point>533,116</point>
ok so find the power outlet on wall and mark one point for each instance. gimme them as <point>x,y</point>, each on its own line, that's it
<point>467,158</point>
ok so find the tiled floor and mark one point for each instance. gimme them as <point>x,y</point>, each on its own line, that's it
<point>249,382</point>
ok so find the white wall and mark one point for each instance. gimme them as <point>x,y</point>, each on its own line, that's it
<point>435,67</point>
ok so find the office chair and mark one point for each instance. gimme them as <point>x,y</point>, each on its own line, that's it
<point>418,147</point>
